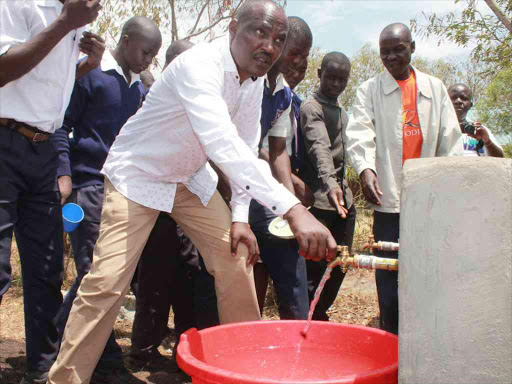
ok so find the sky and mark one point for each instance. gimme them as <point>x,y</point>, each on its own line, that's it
<point>345,25</point>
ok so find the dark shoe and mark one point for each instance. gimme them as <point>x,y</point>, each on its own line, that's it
<point>34,378</point>
<point>152,361</point>
<point>114,376</point>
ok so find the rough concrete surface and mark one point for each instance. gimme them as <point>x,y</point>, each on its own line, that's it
<point>455,292</point>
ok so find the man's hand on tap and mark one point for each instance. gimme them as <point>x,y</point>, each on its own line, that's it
<point>315,240</point>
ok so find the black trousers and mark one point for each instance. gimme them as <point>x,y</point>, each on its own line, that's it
<point>30,207</point>
<point>168,278</point>
<point>386,227</point>
<point>343,232</point>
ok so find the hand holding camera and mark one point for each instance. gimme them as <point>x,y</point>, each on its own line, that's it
<point>476,130</point>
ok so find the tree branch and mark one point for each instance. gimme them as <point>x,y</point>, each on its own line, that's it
<point>500,14</point>
<point>174,27</point>
<point>199,16</point>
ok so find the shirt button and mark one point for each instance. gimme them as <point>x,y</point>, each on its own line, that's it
<point>247,187</point>
<point>274,208</point>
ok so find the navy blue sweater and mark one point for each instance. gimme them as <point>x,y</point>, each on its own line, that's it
<point>100,105</point>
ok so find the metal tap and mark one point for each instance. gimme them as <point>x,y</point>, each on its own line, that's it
<point>346,262</point>
<point>381,245</point>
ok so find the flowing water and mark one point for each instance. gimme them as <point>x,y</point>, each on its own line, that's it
<point>318,292</point>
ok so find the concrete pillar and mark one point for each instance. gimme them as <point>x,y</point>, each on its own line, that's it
<point>455,292</point>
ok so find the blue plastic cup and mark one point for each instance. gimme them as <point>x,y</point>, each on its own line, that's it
<point>72,215</point>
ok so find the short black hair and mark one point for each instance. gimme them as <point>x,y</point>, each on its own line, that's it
<point>298,29</point>
<point>139,26</point>
<point>176,48</point>
<point>336,57</point>
<point>462,85</point>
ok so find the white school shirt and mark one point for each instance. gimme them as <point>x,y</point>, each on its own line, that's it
<point>283,125</point>
<point>197,110</point>
<point>39,98</point>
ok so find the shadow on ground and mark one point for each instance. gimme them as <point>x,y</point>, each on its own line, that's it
<point>12,361</point>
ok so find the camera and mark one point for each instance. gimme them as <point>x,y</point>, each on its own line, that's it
<point>467,127</point>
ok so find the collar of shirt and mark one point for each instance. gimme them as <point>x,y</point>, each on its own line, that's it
<point>49,3</point>
<point>229,61</point>
<point>319,96</point>
<point>389,84</point>
<point>108,63</point>
<point>280,84</point>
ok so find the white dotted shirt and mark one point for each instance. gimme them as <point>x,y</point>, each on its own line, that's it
<point>196,111</point>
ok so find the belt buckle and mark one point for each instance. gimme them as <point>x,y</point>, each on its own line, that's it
<point>41,136</point>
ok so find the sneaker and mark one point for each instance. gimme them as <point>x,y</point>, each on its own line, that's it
<point>114,376</point>
<point>152,361</point>
<point>34,377</point>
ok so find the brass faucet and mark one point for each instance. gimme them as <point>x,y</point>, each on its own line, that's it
<point>346,262</point>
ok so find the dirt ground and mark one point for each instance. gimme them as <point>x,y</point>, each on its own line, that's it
<point>356,304</point>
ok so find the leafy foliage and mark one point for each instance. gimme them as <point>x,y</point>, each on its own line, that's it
<point>490,32</point>
<point>495,106</point>
<point>366,63</point>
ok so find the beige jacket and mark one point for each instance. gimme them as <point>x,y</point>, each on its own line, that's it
<point>374,133</point>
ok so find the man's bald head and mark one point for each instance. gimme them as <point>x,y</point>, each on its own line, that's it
<point>257,37</point>
<point>141,27</point>
<point>396,48</point>
<point>396,31</point>
<point>175,49</point>
<point>248,9</point>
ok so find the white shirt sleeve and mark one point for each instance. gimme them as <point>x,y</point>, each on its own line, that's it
<point>282,126</point>
<point>199,87</point>
<point>14,28</point>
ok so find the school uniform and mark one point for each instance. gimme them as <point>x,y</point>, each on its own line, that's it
<point>102,101</point>
<point>31,109</point>
<point>281,257</point>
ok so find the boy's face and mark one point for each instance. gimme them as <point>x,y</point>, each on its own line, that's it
<point>295,54</point>
<point>461,100</point>
<point>140,51</point>
<point>294,77</point>
<point>334,79</point>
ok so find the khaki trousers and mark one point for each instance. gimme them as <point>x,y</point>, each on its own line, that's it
<point>125,228</point>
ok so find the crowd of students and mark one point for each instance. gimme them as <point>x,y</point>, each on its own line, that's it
<point>179,177</point>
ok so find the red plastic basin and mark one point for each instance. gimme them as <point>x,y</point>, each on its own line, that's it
<point>274,352</point>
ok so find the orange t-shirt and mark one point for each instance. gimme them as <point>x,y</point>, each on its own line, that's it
<point>412,138</point>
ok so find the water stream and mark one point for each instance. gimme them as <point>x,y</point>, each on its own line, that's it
<point>318,292</point>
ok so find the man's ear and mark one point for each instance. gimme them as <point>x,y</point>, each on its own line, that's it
<point>413,46</point>
<point>233,28</point>
<point>319,72</point>
<point>125,39</point>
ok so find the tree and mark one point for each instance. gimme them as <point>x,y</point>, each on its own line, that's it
<point>491,33</point>
<point>366,63</point>
<point>495,106</point>
<point>198,20</point>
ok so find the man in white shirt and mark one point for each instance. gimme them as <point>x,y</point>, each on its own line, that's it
<point>399,114</point>
<point>39,46</point>
<point>205,106</point>
<point>478,139</point>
